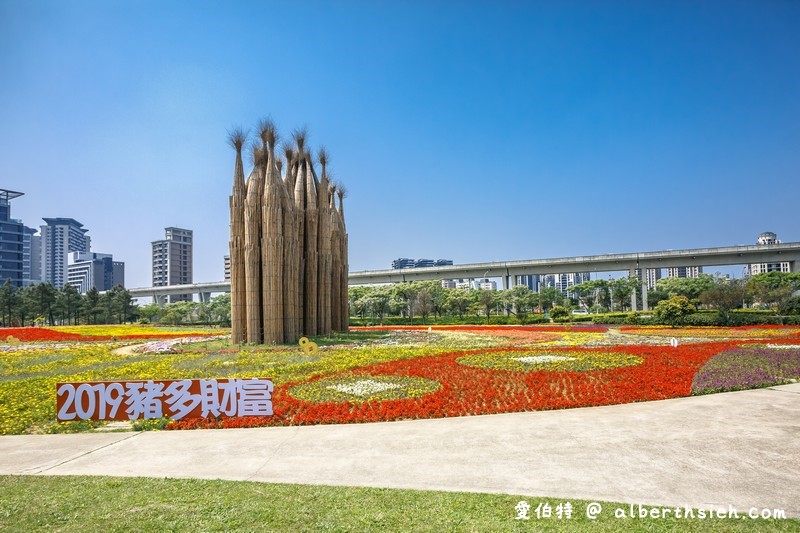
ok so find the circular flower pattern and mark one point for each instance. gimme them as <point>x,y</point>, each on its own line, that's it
<point>572,361</point>
<point>358,389</point>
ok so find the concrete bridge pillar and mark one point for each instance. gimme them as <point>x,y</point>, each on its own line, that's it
<point>644,297</point>
<point>632,273</point>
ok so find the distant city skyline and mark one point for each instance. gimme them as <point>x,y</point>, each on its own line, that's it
<point>511,131</point>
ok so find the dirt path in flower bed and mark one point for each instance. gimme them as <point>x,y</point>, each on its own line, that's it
<point>738,449</point>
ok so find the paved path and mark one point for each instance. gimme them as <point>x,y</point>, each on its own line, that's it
<point>740,449</point>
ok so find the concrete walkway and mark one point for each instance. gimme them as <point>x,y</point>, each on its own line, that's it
<point>740,449</point>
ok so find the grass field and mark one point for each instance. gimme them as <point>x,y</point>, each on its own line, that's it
<point>138,504</point>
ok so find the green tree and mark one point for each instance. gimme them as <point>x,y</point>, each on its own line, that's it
<point>522,300</point>
<point>487,300</point>
<point>9,301</point>
<point>69,303</point>
<point>547,297</point>
<point>673,310</point>
<point>774,289</point>
<point>91,305</point>
<point>44,299</point>
<point>407,294</point>
<point>424,303</point>
<point>219,309</point>
<point>458,302</point>
<point>724,296</point>
<point>559,312</point>
<point>692,288</point>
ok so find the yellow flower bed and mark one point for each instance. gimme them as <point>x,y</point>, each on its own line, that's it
<point>556,361</point>
<point>357,389</point>
<point>711,332</point>
<point>119,330</point>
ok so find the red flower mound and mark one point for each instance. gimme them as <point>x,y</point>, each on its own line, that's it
<point>45,334</point>
<point>38,334</point>
<point>665,372</point>
<point>487,329</point>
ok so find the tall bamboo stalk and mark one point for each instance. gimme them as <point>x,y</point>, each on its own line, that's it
<point>311,251</point>
<point>237,138</point>
<point>345,310</point>
<point>300,220</point>
<point>324,272</point>
<point>252,240</point>
<point>272,242</point>
<point>336,262</point>
<point>291,255</point>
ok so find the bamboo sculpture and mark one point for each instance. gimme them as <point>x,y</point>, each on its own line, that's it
<point>288,245</point>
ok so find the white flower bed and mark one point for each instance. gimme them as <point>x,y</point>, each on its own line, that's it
<point>784,346</point>
<point>364,387</point>
<point>542,358</point>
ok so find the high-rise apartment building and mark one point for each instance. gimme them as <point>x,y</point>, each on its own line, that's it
<point>651,276</point>
<point>754,269</point>
<point>87,270</point>
<point>562,282</point>
<point>227,268</point>
<point>31,257</point>
<point>172,261</point>
<point>59,238</point>
<point>684,272</point>
<point>11,241</point>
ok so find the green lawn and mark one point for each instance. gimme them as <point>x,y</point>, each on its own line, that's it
<point>138,504</point>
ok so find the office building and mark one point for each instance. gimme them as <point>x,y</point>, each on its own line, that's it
<point>87,270</point>
<point>754,269</point>
<point>60,237</point>
<point>11,241</point>
<point>172,261</point>
<point>562,282</point>
<point>405,262</point>
<point>684,272</point>
<point>31,257</point>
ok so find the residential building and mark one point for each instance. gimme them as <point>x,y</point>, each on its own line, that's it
<point>463,284</point>
<point>11,241</point>
<point>449,283</point>
<point>31,257</point>
<point>754,269</point>
<point>532,282</point>
<point>652,275</point>
<point>227,268</point>
<point>562,282</point>
<point>684,272</point>
<point>484,284</point>
<point>59,238</point>
<point>172,261</point>
<point>87,270</point>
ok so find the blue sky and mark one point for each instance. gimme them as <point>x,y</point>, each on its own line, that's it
<point>469,131</point>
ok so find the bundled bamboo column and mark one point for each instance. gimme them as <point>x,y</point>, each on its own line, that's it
<point>336,262</point>
<point>236,248</point>
<point>324,272</point>
<point>272,243</point>
<point>300,219</point>
<point>345,310</point>
<point>291,256</point>
<point>310,248</point>
<point>252,242</point>
<point>288,245</point>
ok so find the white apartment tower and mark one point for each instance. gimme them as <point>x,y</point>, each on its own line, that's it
<point>172,261</point>
<point>59,238</point>
<point>754,269</point>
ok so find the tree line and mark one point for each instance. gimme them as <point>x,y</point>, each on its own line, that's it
<point>424,299</point>
<point>43,304</point>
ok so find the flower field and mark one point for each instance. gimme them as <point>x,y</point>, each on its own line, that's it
<point>381,374</point>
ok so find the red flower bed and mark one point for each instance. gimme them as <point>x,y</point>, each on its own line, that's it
<point>45,334</point>
<point>491,330</point>
<point>665,372</point>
